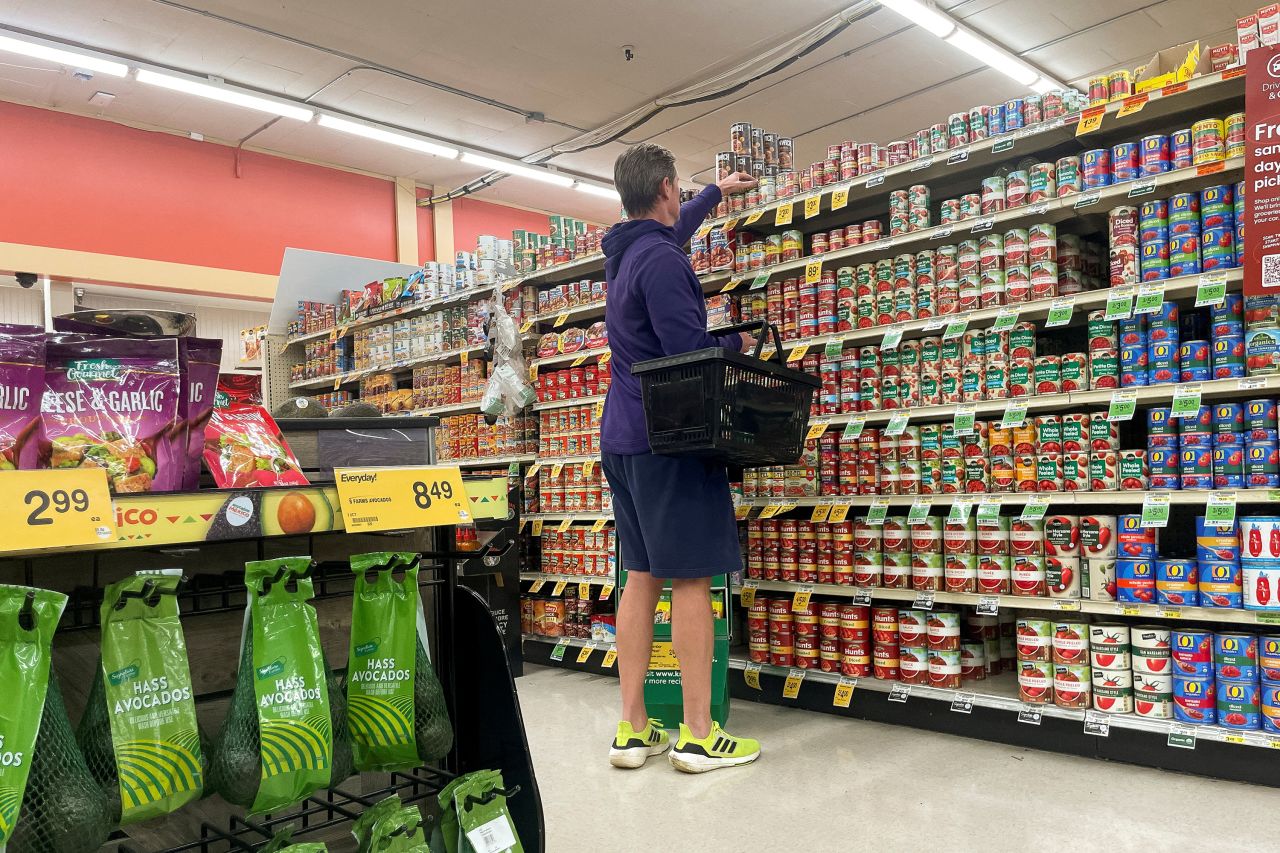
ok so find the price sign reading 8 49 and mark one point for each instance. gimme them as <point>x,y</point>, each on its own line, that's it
<point>58,508</point>
<point>400,498</point>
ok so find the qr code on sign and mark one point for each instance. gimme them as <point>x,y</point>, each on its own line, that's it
<point>1271,270</point>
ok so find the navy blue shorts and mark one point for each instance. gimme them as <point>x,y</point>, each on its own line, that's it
<point>673,514</point>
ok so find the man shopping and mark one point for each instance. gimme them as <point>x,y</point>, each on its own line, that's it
<point>673,515</point>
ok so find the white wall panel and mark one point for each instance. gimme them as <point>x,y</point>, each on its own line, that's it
<point>20,305</point>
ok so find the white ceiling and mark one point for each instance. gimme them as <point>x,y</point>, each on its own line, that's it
<point>877,80</point>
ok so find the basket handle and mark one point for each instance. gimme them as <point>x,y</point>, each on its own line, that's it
<point>765,330</point>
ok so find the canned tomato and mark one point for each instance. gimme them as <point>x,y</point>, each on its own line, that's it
<point>1262,465</point>
<point>1192,652</point>
<point>1027,575</point>
<point>1035,681</point>
<point>1261,585</point>
<point>1097,535</point>
<point>1220,584</point>
<point>1113,691</point>
<point>1155,154</point>
<point>1208,141</point>
<point>1134,540</point>
<point>1109,646</point>
<point>1153,696</point>
<point>1034,639</point>
<point>1067,172</point>
<point>1238,704</point>
<point>1195,700</point>
<point>1095,168</point>
<point>993,574</point>
<point>943,630</point>
<point>1125,160</point>
<point>1180,153</point>
<point>1135,581</point>
<point>1177,583</point>
<point>1071,685</point>
<point>1070,643</point>
<point>1235,656</point>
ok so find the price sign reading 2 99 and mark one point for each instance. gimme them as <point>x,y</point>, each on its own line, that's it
<point>58,508</point>
<point>59,500</point>
<point>401,498</point>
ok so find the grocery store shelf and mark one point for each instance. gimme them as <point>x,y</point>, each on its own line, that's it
<point>570,357</point>
<point>1001,693</point>
<point>408,310</point>
<point>490,461</point>
<point>568,460</point>
<point>397,367</point>
<point>1004,601</point>
<point>1051,211</point>
<point>562,272</point>
<point>1132,497</point>
<point>573,312</point>
<point>1201,91</point>
<point>450,409</point>
<point>575,401</point>
<point>569,516</point>
<point>552,577</point>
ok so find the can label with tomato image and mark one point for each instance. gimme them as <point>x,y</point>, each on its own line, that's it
<point>1239,704</point>
<point>1260,537</point>
<point>1177,583</point>
<point>1109,646</point>
<point>1026,538</point>
<point>913,664</point>
<point>1099,578</point>
<point>1220,584</point>
<point>993,574</point>
<point>1071,685</point>
<point>1269,658</point>
<point>1098,535</point>
<point>1262,465</point>
<point>1270,705</point>
<point>1113,691</point>
<point>1217,543</point>
<point>1033,639</point>
<point>1135,581</point>
<point>1133,539</point>
<point>1261,585</point>
<point>1035,681</point>
<point>1235,656</point>
<point>944,668</point>
<point>1195,700</point>
<point>1062,576</point>
<point>1153,696</point>
<point>1062,536</point>
<point>1070,643</point>
<point>1151,649</point>
<point>1027,573</point>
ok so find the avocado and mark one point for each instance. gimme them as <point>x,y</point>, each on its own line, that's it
<point>291,513</point>
<point>239,517</point>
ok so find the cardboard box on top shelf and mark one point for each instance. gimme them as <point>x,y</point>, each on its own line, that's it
<point>1171,65</point>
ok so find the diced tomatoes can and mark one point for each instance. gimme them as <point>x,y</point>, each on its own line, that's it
<point>1238,704</point>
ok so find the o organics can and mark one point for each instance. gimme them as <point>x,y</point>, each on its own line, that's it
<point>1071,683</point>
<point>1109,646</point>
<point>1269,658</point>
<point>1220,584</point>
<point>1262,465</point>
<point>1070,643</point>
<point>1260,537</point>
<point>1192,653</point>
<point>1228,467</point>
<point>1239,704</point>
<point>1195,700</point>
<point>1035,681</point>
<point>1180,153</point>
<point>1113,691</point>
<point>1177,583</point>
<point>1269,700</point>
<point>1153,696</point>
<point>1135,581</point>
<point>1235,656</point>
<point>1217,543</point>
<point>1095,168</point>
<point>1125,160</point>
<point>1134,540</point>
<point>1261,585</point>
<point>944,668</point>
<point>1099,581</point>
<point>1155,154</point>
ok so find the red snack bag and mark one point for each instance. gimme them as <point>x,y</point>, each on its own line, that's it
<point>244,447</point>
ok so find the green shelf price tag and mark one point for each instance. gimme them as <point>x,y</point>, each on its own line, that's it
<point>1211,289</point>
<point>962,420</point>
<point>760,280</point>
<point>833,349</point>
<point>1182,737</point>
<point>897,423</point>
<point>919,511</point>
<point>955,329</point>
<point>1122,406</point>
<point>959,512</point>
<point>1155,510</point>
<point>876,514</point>
<point>557,654</point>
<point>1120,304</point>
<point>1060,311</point>
<point>892,338</point>
<point>1015,413</point>
<point>1002,146</point>
<point>1150,298</point>
<point>1186,401</point>
<point>853,428</point>
<point>1034,509</point>
<point>1220,510</point>
<point>989,512</point>
<point>1006,319</point>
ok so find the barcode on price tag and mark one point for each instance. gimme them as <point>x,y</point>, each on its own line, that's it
<point>494,836</point>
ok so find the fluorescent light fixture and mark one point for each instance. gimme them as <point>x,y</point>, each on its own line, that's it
<point>63,57</point>
<point>604,192</point>
<point>404,140</point>
<point>1005,63</point>
<point>1044,84</point>
<point>922,15</point>
<point>512,169</point>
<point>225,94</point>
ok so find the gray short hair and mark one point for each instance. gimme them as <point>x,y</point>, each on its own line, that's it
<point>638,174</point>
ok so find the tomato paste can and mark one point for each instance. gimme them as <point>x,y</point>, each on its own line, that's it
<point>1177,582</point>
<point>1035,681</point>
<point>1208,141</point>
<point>1220,584</point>
<point>1155,154</point>
<point>1067,172</point>
<point>1195,700</point>
<point>1180,149</point>
<point>1113,691</point>
<point>1235,656</point>
<point>1238,704</point>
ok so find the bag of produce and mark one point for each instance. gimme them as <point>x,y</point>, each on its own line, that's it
<point>395,705</point>
<point>138,733</point>
<point>200,382</point>
<point>474,817</point>
<point>113,403</point>
<point>389,826</point>
<point>48,801</point>
<point>21,384</point>
<point>243,447</point>
<point>280,843</point>
<point>285,734</point>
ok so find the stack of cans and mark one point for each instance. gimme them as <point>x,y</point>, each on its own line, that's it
<point>1260,563</point>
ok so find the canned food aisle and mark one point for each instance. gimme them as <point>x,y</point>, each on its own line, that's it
<point>823,778</point>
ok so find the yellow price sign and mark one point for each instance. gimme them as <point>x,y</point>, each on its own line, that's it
<point>731,223</point>
<point>57,508</point>
<point>770,511</point>
<point>1090,120</point>
<point>791,687</point>
<point>533,372</point>
<point>748,593</point>
<point>598,524</point>
<point>536,586</point>
<point>585,652</point>
<point>462,357</point>
<point>813,272</point>
<point>565,524</point>
<point>1233,738</point>
<point>751,675</point>
<point>1132,105</point>
<point>783,216</point>
<point>798,353</point>
<point>523,522</point>
<point>820,512</point>
<point>337,381</point>
<point>558,589</point>
<point>579,361</point>
<point>815,430</point>
<point>733,282</point>
<point>839,513</point>
<point>537,527</point>
<point>812,205</point>
<point>840,199</point>
<point>556,470</point>
<point>588,467</point>
<point>703,231</point>
<point>599,410</point>
<point>844,692</point>
<point>741,511</point>
<point>584,589</point>
<point>372,499</point>
<point>533,470</point>
<point>753,217</point>
<point>609,657</point>
<point>800,602</point>
<point>606,591</point>
<point>526,326</point>
<point>604,357</point>
<point>561,319</point>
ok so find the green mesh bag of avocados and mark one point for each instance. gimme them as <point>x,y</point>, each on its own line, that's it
<point>139,734</point>
<point>285,734</point>
<point>45,787</point>
<point>395,705</point>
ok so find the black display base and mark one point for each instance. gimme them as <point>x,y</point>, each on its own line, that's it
<point>1054,734</point>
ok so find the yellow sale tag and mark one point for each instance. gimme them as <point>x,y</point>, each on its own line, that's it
<point>462,357</point>
<point>798,353</point>
<point>748,596</point>
<point>1131,610</point>
<point>844,694</point>
<point>533,470</point>
<point>731,223</point>
<point>813,272</point>
<point>751,675</point>
<point>604,357</point>
<point>558,589</point>
<point>791,688</point>
<point>561,319</point>
<point>1132,105</point>
<point>703,231</point>
<point>800,602</point>
<point>1233,738</point>
<point>537,527</point>
<point>536,586</point>
<point>523,522</point>
<point>337,381</point>
<point>585,653</point>
<point>599,409</point>
<point>533,372</point>
<point>769,511</point>
<point>588,467</point>
<point>526,325</point>
<point>733,282</point>
<point>584,589</point>
<point>606,591</point>
<point>556,470</point>
<point>579,361</point>
<point>820,512</point>
<point>565,524</point>
<point>812,205</point>
<point>598,524</point>
<point>815,430</point>
<point>741,511</point>
<point>839,513</point>
<point>1090,120</point>
<point>609,657</point>
<point>57,508</point>
<point>753,217</point>
<point>839,198</point>
<point>399,498</point>
<point>783,216</point>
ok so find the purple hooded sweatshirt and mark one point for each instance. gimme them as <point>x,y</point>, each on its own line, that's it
<point>655,308</point>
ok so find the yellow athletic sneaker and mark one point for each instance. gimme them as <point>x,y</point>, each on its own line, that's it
<point>715,750</point>
<point>631,748</point>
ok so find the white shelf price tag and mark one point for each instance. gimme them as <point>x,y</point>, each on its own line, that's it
<point>921,164</point>
<point>1220,511</point>
<point>962,420</point>
<point>1122,406</point>
<point>1150,298</point>
<point>1252,383</point>
<point>862,595</point>
<point>962,703</point>
<point>1186,401</point>
<point>1182,736</point>
<point>923,599</point>
<point>1030,715</point>
<point>1060,311</point>
<point>1088,199</point>
<point>1035,508</point>
<point>957,157</point>
<point>1015,413</point>
<point>988,605</point>
<point>1097,723</point>
<point>874,181</point>
<point>1155,510</point>
<point>1038,209</point>
<point>989,511</point>
<point>984,224</point>
<point>935,323</point>
<point>1144,187</point>
<point>899,692</point>
<point>876,514</point>
<point>892,337</point>
<point>919,510</point>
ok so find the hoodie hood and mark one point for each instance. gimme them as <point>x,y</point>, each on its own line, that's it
<point>623,234</point>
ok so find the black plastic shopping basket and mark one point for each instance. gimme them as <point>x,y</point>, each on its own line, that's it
<point>728,406</point>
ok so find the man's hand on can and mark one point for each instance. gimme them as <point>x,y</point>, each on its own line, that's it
<point>748,341</point>
<point>735,182</point>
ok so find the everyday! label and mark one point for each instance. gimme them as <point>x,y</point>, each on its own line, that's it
<point>1155,510</point>
<point>820,512</point>
<point>373,499</point>
<point>783,216</point>
<point>892,338</point>
<point>876,514</point>
<point>800,603</point>
<point>584,654</point>
<point>897,423</point>
<point>748,592</point>
<point>813,272</point>
<point>1060,311</point>
<point>812,205</point>
<point>962,420</point>
<point>1035,508</point>
<point>1006,319</point>
<point>609,657</point>
<point>853,428</point>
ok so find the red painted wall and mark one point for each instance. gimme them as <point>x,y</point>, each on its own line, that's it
<point>79,183</point>
<point>426,230</point>
<point>472,217</point>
